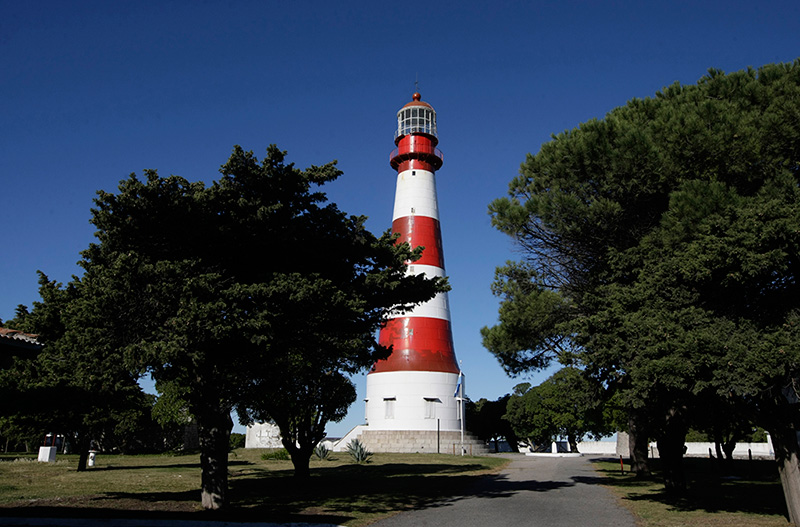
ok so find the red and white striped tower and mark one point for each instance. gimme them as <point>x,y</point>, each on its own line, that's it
<point>415,388</point>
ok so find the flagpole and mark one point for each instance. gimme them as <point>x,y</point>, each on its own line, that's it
<point>463,413</point>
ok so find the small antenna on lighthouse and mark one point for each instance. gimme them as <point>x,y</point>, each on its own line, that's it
<point>416,82</point>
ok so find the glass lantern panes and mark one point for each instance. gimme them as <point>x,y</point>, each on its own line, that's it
<point>416,120</point>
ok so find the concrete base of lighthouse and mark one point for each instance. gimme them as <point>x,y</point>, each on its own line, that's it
<point>413,412</point>
<point>420,442</point>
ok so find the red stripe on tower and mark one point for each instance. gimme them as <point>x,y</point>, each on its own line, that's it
<point>421,231</point>
<point>419,344</point>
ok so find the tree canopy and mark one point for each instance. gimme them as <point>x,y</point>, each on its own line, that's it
<point>669,232</point>
<point>244,293</point>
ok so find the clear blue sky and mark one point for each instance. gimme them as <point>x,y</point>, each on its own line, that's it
<point>91,91</point>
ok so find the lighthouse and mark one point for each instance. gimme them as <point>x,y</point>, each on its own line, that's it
<point>415,395</point>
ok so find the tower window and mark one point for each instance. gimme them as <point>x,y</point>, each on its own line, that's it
<point>389,404</point>
<point>430,407</point>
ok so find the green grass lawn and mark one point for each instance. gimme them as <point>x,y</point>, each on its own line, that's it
<point>338,491</point>
<point>341,492</point>
<point>748,494</point>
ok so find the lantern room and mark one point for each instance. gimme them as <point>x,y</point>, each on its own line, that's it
<point>416,117</point>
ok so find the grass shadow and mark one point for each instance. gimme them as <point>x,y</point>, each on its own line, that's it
<point>268,491</point>
<point>174,466</point>
<point>750,487</point>
<point>360,489</point>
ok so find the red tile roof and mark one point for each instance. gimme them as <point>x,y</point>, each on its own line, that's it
<point>13,334</point>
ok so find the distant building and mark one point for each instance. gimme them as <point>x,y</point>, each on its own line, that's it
<point>15,343</point>
<point>263,435</point>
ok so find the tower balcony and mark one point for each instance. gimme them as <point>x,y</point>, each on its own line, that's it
<point>421,150</point>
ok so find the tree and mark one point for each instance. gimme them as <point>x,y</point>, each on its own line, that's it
<point>247,291</point>
<point>301,407</point>
<point>77,386</point>
<point>486,419</point>
<point>670,228</point>
<point>565,405</point>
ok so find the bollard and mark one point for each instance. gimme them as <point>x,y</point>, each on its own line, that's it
<point>621,466</point>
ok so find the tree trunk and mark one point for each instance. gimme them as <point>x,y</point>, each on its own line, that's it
<point>787,456</point>
<point>214,431</point>
<point>728,447</point>
<point>83,449</point>
<point>720,463</point>
<point>671,447</point>
<point>718,445</point>
<point>573,443</point>
<point>638,445</point>
<point>300,451</point>
<point>513,441</point>
<point>300,460</point>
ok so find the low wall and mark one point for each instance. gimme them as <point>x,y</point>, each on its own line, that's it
<point>605,448</point>
<point>742,450</point>
<point>620,448</point>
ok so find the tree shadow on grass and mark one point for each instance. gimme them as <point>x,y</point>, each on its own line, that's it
<point>745,486</point>
<point>192,465</point>
<point>104,468</point>
<point>359,489</point>
<point>333,494</point>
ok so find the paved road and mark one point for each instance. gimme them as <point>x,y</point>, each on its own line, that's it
<point>531,491</point>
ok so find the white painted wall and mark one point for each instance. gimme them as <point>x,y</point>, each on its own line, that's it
<point>409,390</point>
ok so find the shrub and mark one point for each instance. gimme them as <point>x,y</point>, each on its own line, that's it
<point>321,451</point>
<point>358,451</point>
<point>276,455</point>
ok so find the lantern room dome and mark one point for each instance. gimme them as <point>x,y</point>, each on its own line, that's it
<point>417,102</point>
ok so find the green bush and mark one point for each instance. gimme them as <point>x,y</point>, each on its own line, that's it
<point>276,455</point>
<point>237,440</point>
<point>358,451</point>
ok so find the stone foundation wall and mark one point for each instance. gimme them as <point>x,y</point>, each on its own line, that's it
<point>421,442</point>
